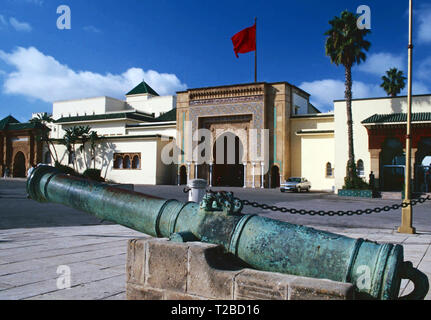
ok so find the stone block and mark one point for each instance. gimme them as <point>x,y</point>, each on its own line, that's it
<point>195,270</point>
<point>319,289</point>
<point>139,292</point>
<point>258,285</point>
<point>135,263</point>
<point>211,272</point>
<point>166,265</point>
<point>172,295</point>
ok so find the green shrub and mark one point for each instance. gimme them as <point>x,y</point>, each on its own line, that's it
<point>355,182</point>
<point>66,169</point>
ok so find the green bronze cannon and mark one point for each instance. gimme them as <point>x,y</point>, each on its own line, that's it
<point>374,269</point>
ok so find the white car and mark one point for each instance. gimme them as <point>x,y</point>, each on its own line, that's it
<point>295,184</point>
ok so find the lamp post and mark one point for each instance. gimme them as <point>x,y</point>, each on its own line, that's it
<point>407,212</point>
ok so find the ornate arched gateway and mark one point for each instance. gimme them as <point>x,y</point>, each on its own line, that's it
<point>20,146</point>
<point>242,110</point>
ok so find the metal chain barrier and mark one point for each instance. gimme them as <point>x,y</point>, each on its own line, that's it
<point>335,213</point>
<point>322,213</point>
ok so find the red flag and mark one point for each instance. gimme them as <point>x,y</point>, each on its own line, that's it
<point>245,40</point>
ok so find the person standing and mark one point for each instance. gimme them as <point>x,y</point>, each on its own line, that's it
<point>6,172</point>
<point>372,180</point>
<point>30,170</point>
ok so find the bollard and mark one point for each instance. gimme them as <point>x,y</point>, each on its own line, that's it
<point>376,270</point>
<point>197,190</point>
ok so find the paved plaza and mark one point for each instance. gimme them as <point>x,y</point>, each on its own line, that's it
<point>37,240</point>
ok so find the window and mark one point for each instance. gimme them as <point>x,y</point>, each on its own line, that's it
<point>136,163</point>
<point>127,161</point>
<point>329,170</point>
<point>118,162</point>
<point>360,168</point>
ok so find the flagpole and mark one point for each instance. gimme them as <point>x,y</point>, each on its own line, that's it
<point>255,53</point>
<point>407,212</point>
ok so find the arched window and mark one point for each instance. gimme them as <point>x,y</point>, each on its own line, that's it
<point>126,162</point>
<point>118,163</point>
<point>329,170</point>
<point>360,168</point>
<point>136,163</point>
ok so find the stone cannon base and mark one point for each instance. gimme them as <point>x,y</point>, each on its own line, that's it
<point>158,269</point>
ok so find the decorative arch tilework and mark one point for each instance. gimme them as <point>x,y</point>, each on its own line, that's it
<point>255,109</point>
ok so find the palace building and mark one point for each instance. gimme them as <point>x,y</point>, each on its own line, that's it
<point>379,128</point>
<point>293,139</point>
<point>131,132</point>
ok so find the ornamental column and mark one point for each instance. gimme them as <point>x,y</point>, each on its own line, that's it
<point>179,174</point>
<point>245,174</point>
<point>188,172</point>
<point>253,175</point>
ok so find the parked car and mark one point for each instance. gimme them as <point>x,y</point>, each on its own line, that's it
<point>295,184</point>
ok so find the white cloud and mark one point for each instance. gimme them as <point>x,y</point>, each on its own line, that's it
<point>91,29</point>
<point>379,63</point>
<point>43,77</point>
<point>324,92</point>
<point>424,70</point>
<point>424,28</point>
<point>19,26</point>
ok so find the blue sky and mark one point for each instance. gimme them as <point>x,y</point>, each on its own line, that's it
<point>176,45</point>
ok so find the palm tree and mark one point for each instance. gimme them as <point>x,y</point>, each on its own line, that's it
<point>82,135</point>
<point>93,137</point>
<point>393,82</point>
<point>345,46</point>
<point>43,118</point>
<point>69,140</point>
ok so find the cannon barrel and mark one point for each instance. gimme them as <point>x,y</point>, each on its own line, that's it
<point>265,244</point>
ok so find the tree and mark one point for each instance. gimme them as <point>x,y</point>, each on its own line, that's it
<point>345,45</point>
<point>81,135</point>
<point>69,140</point>
<point>93,137</point>
<point>43,118</point>
<point>393,82</point>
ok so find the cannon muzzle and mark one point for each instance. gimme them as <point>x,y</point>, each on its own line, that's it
<point>265,244</point>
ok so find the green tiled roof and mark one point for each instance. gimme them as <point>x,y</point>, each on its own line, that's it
<point>108,116</point>
<point>7,121</point>
<point>168,116</point>
<point>11,124</point>
<point>26,125</point>
<point>397,117</point>
<point>142,88</point>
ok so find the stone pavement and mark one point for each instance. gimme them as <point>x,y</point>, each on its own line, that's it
<point>96,256</point>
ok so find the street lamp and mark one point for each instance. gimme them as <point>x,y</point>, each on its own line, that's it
<point>407,212</point>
